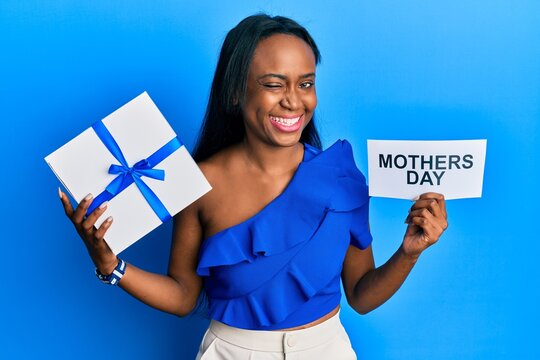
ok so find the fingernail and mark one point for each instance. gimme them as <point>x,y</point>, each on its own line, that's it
<point>103,205</point>
<point>109,219</point>
<point>88,197</point>
<point>415,198</point>
<point>59,192</point>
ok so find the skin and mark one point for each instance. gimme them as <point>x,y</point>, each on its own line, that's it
<point>245,178</point>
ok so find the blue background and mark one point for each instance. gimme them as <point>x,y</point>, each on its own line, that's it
<point>390,70</point>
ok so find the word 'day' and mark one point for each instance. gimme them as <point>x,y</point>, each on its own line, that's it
<point>406,169</point>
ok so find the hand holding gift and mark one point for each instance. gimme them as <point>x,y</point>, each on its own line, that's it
<point>101,254</point>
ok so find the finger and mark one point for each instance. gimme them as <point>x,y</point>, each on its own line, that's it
<point>442,205</point>
<point>426,197</point>
<point>438,221</point>
<point>430,229</point>
<point>437,210</point>
<point>412,229</point>
<point>421,212</point>
<point>88,224</point>
<point>68,209</point>
<point>440,214</point>
<point>440,218</point>
<point>100,232</point>
<point>440,200</point>
<point>431,195</point>
<point>80,211</point>
<point>426,203</point>
<point>431,205</point>
<point>421,223</point>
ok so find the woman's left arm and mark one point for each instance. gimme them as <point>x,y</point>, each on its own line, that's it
<point>367,287</point>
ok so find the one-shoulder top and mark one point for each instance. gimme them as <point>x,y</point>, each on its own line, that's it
<point>281,267</point>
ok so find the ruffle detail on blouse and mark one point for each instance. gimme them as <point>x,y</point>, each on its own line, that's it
<point>272,303</point>
<point>325,182</point>
<point>351,192</point>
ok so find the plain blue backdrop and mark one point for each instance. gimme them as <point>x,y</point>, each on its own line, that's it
<point>390,70</point>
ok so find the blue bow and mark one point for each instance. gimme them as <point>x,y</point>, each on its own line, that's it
<point>128,175</point>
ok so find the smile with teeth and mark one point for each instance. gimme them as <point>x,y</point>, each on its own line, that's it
<point>285,121</point>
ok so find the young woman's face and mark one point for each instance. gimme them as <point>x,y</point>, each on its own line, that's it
<point>280,94</point>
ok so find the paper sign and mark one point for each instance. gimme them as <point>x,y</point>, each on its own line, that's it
<point>407,169</point>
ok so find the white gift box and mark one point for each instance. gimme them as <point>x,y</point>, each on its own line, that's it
<point>139,130</point>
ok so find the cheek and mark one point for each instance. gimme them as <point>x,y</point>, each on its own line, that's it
<point>262,101</point>
<point>310,101</point>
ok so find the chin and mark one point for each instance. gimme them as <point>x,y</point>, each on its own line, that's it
<point>287,140</point>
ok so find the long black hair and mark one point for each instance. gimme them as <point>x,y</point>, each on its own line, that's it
<point>223,123</point>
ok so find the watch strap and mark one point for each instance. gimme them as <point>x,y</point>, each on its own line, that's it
<point>114,277</point>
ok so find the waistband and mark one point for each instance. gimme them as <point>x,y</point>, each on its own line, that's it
<point>278,341</point>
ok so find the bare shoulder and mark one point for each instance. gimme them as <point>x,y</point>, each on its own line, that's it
<point>191,224</point>
<point>213,170</point>
<point>216,167</point>
<point>220,170</point>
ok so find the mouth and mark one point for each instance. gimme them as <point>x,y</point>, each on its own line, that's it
<point>287,124</point>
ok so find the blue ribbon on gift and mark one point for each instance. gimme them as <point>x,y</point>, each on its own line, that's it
<point>128,175</point>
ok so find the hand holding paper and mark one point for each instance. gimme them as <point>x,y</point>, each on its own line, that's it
<point>427,220</point>
<point>430,171</point>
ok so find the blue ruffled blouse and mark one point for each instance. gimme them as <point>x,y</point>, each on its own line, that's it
<point>281,267</point>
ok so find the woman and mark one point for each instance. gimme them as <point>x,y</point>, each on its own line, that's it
<point>284,221</point>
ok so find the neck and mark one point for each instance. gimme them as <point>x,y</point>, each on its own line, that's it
<point>272,159</point>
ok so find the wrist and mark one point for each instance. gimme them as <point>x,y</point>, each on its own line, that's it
<point>108,268</point>
<point>114,277</point>
<point>413,258</point>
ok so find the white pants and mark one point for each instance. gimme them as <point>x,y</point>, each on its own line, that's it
<point>327,340</point>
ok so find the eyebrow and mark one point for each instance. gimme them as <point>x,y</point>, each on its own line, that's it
<point>283,77</point>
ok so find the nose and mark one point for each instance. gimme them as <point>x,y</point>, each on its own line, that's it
<point>290,100</point>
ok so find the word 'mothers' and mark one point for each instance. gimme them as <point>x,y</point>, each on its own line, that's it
<point>429,166</point>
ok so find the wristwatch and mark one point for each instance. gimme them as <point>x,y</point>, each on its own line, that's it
<point>114,277</point>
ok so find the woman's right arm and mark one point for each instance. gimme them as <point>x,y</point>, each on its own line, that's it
<point>176,292</point>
